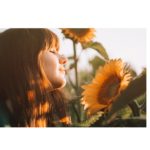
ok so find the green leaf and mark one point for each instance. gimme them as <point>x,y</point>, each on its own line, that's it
<point>96,62</point>
<point>91,120</point>
<point>70,57</point>
<point>72,66</point>
<point>98,47</point>
<point>128,122</point>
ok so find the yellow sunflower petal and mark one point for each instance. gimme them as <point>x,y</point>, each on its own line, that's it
<point>95,108</point>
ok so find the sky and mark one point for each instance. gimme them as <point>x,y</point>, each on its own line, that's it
<point>129,44</point>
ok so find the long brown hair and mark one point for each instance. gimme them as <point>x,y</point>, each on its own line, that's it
<point>24,88</point>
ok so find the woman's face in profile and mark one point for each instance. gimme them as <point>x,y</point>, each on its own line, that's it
<point>53,64</point>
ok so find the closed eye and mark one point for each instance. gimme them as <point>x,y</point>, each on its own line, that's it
<point>52,52</point>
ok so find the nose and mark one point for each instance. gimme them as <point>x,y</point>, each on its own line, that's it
<point>63,59</point>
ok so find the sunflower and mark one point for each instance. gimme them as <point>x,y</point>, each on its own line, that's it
<point>81,35</point>
<point>109,81</point>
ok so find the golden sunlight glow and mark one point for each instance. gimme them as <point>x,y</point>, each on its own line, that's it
<point>41,109</point>
<point>66,120</point>
<point>31,95</point>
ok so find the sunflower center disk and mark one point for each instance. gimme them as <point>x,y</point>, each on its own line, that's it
<point>80,32</point>
<point>109,90</point>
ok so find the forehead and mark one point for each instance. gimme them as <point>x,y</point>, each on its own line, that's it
<point>52,40</point>
<point>54,47</point>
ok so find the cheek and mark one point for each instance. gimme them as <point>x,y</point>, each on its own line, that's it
<point>50,65</point>
<point>58,79</point>
<point>54,71</point>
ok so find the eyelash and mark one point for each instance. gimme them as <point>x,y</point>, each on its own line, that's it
<point>52,52</point>
<point>55,53</point>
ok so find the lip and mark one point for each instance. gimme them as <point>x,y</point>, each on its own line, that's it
<point>62,69</point>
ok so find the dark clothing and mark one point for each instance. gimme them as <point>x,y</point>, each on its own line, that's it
<point>4,117</point>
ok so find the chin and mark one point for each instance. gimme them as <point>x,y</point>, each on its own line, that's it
<point>59,84</point>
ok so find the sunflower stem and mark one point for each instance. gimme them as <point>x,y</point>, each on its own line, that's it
<point>74,87</point>
<point>76,67</point>
<point>76,81</point>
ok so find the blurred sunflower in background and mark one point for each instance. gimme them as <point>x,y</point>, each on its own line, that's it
<point>81,35</point>
<point>109,81</point>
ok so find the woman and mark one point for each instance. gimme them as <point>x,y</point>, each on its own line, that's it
<point>32,75</point>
